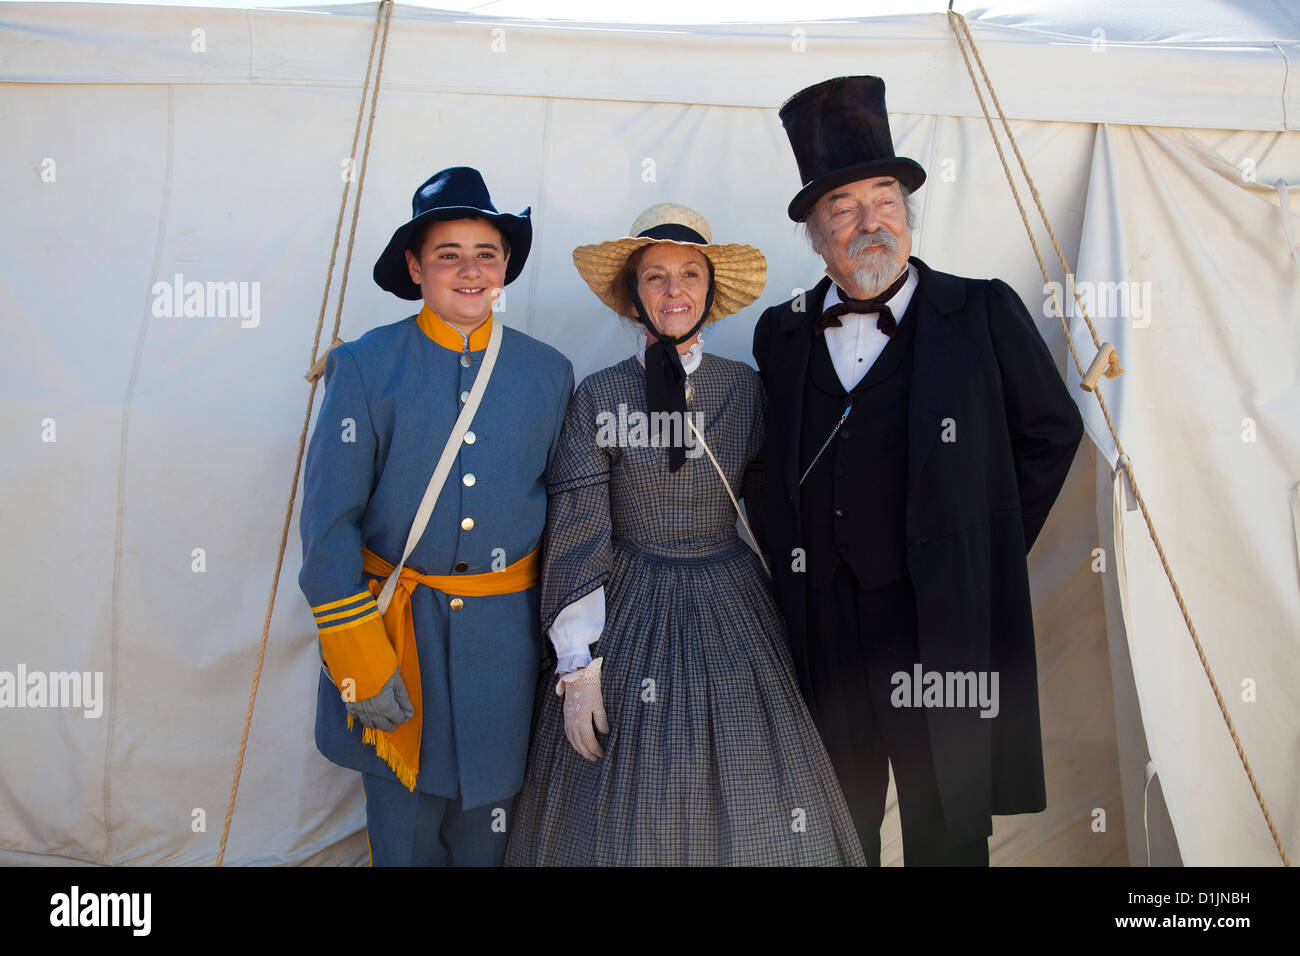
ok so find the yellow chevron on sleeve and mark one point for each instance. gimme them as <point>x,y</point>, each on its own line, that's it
<point>322,618</point>
<point>333,604</point>
<point>343,627</point>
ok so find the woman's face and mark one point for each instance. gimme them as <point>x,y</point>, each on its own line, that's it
<point>673,282</point>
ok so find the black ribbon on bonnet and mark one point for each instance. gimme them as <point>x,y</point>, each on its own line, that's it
<point>665,378</point>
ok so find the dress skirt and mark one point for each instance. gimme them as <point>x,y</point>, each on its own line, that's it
<point>711,756</point>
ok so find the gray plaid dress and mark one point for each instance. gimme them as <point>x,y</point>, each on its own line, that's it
<point>711,756</point>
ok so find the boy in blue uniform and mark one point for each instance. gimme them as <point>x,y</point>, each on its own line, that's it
<point>431,701</point>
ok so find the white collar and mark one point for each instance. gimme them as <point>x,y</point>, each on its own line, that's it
<point>898,303</point>
<point>690,360</point>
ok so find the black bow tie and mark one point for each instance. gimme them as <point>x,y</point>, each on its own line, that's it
<point>830,318</point>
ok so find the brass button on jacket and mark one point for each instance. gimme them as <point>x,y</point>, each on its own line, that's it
<point>466,524</point>
<point>456,604</point>
<point>462,566</point>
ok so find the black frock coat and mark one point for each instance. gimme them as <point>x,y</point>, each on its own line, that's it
<point>975,504</point>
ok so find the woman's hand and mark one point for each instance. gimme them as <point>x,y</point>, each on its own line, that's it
<point>584,705</point>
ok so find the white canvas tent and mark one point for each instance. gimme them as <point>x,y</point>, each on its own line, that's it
<point>148,456</point>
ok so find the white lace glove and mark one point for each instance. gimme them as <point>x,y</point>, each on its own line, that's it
<point>583,705</point>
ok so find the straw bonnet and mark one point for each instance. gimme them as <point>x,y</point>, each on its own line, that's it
<point>739,271</point>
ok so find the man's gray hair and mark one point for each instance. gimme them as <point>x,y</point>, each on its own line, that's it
<point>811,231</point>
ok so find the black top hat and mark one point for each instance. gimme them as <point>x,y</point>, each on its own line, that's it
<point>455,193</point>
<point>839,131</point>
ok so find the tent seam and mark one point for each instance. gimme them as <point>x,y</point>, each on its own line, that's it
<point>115,642</point>
<point>541,209</point>
<point>937,123</point>
<point>1286,85</point>
<point>248,22</point>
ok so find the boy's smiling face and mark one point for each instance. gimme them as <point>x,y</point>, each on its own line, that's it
<point>461,270</point>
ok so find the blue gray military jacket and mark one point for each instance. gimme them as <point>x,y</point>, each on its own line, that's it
<point>391,399</point>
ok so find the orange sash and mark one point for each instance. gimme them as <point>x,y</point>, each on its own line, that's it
<point>401,748</point>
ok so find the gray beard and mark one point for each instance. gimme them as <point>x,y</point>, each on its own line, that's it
<point>872,273</point>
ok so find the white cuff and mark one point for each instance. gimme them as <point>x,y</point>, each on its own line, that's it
<point>573,662</point>
<point>577,627</point>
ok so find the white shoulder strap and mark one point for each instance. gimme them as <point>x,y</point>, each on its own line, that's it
<point>425,511</point>
<point>726,484</point>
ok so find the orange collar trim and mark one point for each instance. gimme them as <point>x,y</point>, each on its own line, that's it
<point>436,328</point>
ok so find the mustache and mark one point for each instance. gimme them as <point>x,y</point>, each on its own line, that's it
<point>870,240</point>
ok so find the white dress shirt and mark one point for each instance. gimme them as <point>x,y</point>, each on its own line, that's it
<point>857,343</point>
<point>581,623</point>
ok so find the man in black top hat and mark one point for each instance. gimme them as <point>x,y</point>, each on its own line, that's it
<point>918,434</point>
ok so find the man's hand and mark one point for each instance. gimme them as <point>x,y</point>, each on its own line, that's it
<point>583,705</point>
<point>387,709</point>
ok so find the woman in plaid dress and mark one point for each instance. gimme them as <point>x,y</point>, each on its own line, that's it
<point>686,741</point>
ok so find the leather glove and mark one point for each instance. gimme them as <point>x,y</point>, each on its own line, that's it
<point>390,707</point>
<point>583,705</point>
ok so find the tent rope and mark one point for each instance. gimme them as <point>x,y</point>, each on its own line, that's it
<point>960,28</point>
<point>384,13</point>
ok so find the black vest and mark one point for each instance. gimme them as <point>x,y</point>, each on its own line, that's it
<point>853,502</point>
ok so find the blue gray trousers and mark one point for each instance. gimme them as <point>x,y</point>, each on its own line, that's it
<point>405,828</point>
